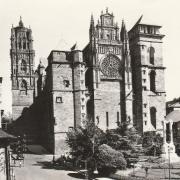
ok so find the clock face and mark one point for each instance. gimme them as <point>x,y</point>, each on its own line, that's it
<point>111,66</point>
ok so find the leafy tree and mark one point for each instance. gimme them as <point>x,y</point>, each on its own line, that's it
<point>6,120</point>
<point>91,144</point>
<point>83,142</point>
<point>109,160</point>
<point>152,143</point>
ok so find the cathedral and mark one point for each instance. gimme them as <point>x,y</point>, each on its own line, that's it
<point>118,77</point>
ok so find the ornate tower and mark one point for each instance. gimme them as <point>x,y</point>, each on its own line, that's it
<point>148,76</point>
<point>108,76</point>
<point>22,68</point>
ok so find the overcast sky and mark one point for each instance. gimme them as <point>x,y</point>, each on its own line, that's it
<point>58,22</point>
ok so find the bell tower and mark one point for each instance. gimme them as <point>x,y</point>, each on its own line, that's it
<point>148,76</point>
<point>22,68</point>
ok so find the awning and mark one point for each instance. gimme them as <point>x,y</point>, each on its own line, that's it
<point>174,116</point>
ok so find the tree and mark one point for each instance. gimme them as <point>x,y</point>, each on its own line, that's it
<point>84,142</point>
<point>152,143</point>
<point>6,120</point>
<point>109,160</point>
<point>90,144</point>
<point>127,141</point>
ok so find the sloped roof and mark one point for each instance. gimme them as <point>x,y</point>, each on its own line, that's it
<point>174,116</point>
<point>4,135</point>
<point>146,21</point>
<point>175,105</point>
<point>62,45</point>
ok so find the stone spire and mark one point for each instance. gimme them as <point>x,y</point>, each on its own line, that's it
<point>20,22</point>
<point>124,34</point>
<point>92,28</point>
<point>107,10</point>
<point>92,21</point>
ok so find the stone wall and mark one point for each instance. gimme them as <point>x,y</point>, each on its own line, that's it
<point>107,103</point>
<point>144,97</point>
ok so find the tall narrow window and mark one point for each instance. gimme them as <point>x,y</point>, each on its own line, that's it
<point>23,66</point>
<point>153,116</point>
<point>23,87</point>
<point>20,45</point>
<point>118,118</point>
<point>151,54</point>
<point>24,45</point>
<point>107,119</point>
<point>152,77</point>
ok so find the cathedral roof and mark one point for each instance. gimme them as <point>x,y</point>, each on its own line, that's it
<point>62,45</point>
<point>144,20</point>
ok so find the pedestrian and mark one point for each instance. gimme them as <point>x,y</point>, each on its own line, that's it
<point>146,171</point>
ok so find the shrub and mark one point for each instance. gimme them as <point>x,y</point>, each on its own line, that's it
<point>152,143</point>
<point>109,160</point>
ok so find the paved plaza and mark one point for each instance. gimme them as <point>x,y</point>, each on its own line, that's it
<point>37,167</point>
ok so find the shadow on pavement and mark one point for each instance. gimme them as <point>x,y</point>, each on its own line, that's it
<point>76,175</point>
<point>51,165</point>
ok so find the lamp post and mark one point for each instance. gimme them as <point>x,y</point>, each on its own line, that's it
<point>169,162</point>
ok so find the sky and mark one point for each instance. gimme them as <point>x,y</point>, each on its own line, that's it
<point>55,23</point>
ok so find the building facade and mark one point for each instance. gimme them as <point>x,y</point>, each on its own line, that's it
<point>118,77</point>
<point>149,103</point>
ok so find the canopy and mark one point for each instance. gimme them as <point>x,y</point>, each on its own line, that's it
<point>4,135</point>
<point>174,116</point>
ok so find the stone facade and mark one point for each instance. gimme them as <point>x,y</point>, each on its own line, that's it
<point>148,76</point>
<point>118,77</point>
<point>22,68</point>
<point>23,82</point>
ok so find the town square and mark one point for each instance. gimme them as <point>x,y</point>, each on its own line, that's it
<point>89,90</point>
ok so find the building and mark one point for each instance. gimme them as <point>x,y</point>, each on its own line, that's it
<point>118,77</point>
<point>23,82</point>
<point>148,76</point>
<point>6,171</point>
<point>22,68</point>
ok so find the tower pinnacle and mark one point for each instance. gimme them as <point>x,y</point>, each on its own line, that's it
<point>107,10</point>
<point>20,22</point>
<point>92,19</point>
<point>124,34</point>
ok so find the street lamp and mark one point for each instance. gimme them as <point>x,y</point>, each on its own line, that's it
<point>169,162</point>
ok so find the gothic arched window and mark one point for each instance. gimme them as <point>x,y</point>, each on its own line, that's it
<point>20,45</point>
<point>153,116</point>
<point>23,66</point>
<point>151,55</point>
<point>23,87</point>
<point>24,45</point>
<point>152,77</point>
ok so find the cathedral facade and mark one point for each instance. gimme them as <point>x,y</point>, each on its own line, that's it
<point>118,77</point>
